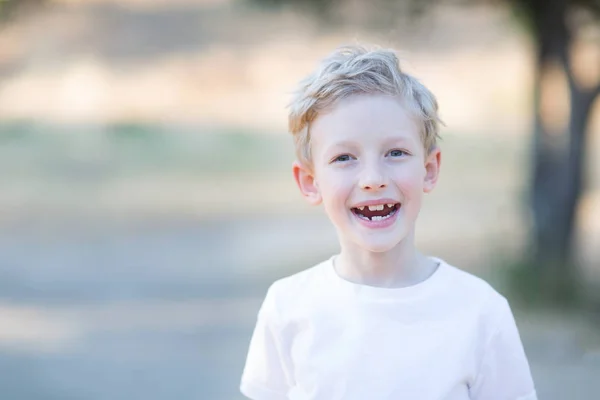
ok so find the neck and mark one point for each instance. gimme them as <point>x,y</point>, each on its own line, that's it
<point>400,266</point>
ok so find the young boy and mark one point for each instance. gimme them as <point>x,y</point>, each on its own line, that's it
<point>379,320</point>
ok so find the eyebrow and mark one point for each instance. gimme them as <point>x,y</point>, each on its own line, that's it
<point>344,143</point>
<point>401,140</point>
<point>336,148</point>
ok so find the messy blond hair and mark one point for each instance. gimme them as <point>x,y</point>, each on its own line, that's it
<point>352,70</point>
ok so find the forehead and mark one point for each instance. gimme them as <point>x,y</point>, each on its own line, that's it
<point>365,118</point>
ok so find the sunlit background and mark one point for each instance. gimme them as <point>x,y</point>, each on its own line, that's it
<point>147,201</point>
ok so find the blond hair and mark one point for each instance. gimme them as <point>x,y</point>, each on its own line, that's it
<point>352,70</point>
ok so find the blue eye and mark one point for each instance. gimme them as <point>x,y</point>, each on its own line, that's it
<point>398,153</point>
<point>342,158</point>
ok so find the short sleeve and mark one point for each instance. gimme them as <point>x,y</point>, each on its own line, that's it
<point>504,372</point>
<point>265,375</point>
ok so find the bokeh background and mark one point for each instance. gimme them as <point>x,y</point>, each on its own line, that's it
<point>147,201</point>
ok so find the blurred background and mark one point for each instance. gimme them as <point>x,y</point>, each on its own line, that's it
<point>147,201</point>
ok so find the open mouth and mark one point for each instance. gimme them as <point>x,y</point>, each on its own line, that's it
<point>378,212</point>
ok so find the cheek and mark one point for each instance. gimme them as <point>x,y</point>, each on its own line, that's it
<point>335,190</point>
<point>410,183</point>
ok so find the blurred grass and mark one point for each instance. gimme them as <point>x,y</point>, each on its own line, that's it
<point>130,149</point>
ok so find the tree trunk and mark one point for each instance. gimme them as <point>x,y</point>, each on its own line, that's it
<point>558,169</point>
<point>555,192</point>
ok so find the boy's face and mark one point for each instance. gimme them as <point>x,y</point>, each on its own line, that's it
<point>367,151</point>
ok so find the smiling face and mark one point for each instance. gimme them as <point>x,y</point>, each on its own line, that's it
<point>370,170</point>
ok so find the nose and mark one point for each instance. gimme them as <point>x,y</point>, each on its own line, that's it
<point>373,179</point>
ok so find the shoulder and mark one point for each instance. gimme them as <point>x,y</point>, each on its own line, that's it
<point>469,287</point>
<point>469,292</point>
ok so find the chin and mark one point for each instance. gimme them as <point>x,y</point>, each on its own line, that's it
<point>377,247</point>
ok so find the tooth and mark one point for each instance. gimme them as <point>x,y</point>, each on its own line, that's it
<point>361,208</point>
<point>377,218</point>
<point>376,208</point>
<point>390,205</point>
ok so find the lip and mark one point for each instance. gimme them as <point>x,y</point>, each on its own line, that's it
<point>375,203</point>
<point>378,224</point>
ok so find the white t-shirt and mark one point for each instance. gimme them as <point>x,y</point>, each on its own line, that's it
<point>450,337</point>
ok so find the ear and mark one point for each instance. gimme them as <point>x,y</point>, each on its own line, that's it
<point>306,183</point>
<point>432,169</point>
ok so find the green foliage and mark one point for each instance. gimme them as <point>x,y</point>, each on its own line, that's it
<point>374,14</point>
<point>539,286</point>
<point>306,4</point>
<point>9,7</point>
<point>526,12</point>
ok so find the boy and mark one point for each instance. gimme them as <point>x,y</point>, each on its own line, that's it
<point>380,320</point>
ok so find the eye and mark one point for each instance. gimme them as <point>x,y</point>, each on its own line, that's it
<point>342,158</point>
<point>397,153</point>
